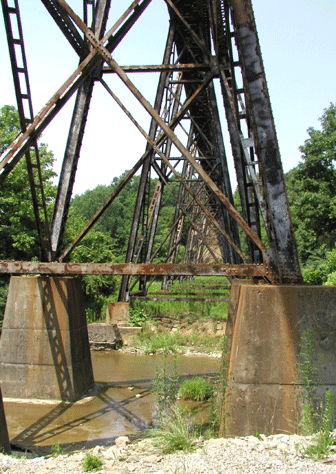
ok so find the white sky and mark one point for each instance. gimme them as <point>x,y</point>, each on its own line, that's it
<point>297,38</point>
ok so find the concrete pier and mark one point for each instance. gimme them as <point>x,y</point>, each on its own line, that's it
<point>44,346</point>
<point>4,440</point>
<point>266,329</point>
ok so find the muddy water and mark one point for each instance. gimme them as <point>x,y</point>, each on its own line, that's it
<point>121,403</point>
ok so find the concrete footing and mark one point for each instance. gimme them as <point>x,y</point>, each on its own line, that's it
<point>4,440</point>
<point>44,346</point>
<point>117,313</point>
<point>266,328</point>
<point>104,336</point>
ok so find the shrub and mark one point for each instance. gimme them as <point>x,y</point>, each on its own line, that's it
<point>331,280</point>
<point>137,317</point>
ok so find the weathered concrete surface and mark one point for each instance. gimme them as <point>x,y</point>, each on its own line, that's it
<point>4,440</point>
<point>269,325</point>
<point>44,347</point>
<point>104,336</point>
<point>118,313</point>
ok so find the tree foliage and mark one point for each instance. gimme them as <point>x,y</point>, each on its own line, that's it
<point>18,234</point>
<point>312,190</point>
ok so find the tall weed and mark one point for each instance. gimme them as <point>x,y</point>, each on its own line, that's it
<point>318,415</point>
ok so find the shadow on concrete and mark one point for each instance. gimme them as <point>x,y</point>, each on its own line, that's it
<point>55,339</point>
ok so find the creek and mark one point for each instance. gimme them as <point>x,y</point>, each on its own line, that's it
<point>121,403</point>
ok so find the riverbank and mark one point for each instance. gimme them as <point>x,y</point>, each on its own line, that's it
<point>246,455</point>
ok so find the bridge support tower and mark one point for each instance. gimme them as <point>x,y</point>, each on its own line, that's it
<point>44,344</point>
<point>268,329</point>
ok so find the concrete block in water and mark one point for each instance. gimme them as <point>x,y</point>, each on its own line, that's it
<point>104,336</point>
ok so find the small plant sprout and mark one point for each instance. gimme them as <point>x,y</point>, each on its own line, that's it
<point>56,450</point>
<point>92,462</point>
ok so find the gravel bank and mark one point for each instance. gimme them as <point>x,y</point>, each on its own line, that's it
<point>277,453</point>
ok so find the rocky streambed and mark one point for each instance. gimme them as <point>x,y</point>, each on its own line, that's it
<point>278,453</point>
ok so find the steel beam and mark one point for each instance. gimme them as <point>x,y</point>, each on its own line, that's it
<point>283,251</point>
<point>58,268</point>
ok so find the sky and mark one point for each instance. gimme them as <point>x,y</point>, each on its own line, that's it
<point>298,43</point>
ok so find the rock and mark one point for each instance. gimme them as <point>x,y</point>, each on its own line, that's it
<point>153,458</point>
<point>217,442</point>
<point>112,453</point>
<point>122,441</point>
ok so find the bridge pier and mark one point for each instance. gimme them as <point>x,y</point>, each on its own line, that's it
<point>266,329</point>
<point>4,440</point>
<point>44,346</point>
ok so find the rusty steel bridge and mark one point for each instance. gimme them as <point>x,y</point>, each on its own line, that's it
<point>209,42</point>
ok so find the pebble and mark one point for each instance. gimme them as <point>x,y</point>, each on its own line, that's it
<point>273,454</point>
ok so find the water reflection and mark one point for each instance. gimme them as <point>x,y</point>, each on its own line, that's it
<point>122,403</point>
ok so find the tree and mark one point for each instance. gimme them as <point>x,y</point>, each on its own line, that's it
<point>18,234</point>
<point>95,247</point>
<point>311,188</point>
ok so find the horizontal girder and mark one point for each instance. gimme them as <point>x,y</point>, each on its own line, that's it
<point>168,269</point>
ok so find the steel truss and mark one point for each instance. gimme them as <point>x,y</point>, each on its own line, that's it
<point>209,42</point>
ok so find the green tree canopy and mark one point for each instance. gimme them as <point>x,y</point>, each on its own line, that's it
<point>311,190</point>
<point>18,234</point>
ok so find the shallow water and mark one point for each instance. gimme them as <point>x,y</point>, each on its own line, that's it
<point>121,403</point>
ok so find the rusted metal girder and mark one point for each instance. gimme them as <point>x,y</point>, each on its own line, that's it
<point>160,68</point>
<point>146,167</point>
<point>283,251</point>
<point>99,47</point>
<point>23,141</point>
<point>74,142</point>
<point>58,268</point>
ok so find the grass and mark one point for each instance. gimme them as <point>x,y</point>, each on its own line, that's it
<point>318,415</point>
<point>56,450</point>
<point>166,341</point>
<point>174,427</point>
<point>323,438</point>
<point>92,462</point>
<point>174,432</point>
<point>194,310</point>
<point>197,388</point>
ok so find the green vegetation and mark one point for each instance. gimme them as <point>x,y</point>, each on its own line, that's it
<point>193,310</point>
<point>56,450</point>
<point>176,428</point>
<point>323,438</point>
<point>197,388</point>
<point>172,326</point>
<point>92,462</point>
<point>137,317</point>
<point>318,415</point>
<point>174,432</point>
<point>311,188</point>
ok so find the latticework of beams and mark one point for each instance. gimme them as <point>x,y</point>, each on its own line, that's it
<point>211,46</point>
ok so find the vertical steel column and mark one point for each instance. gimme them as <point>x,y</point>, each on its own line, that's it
<point>224,52</point>
<point>123,292</point>
<point>283,251</point>
<point>74,142</point>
